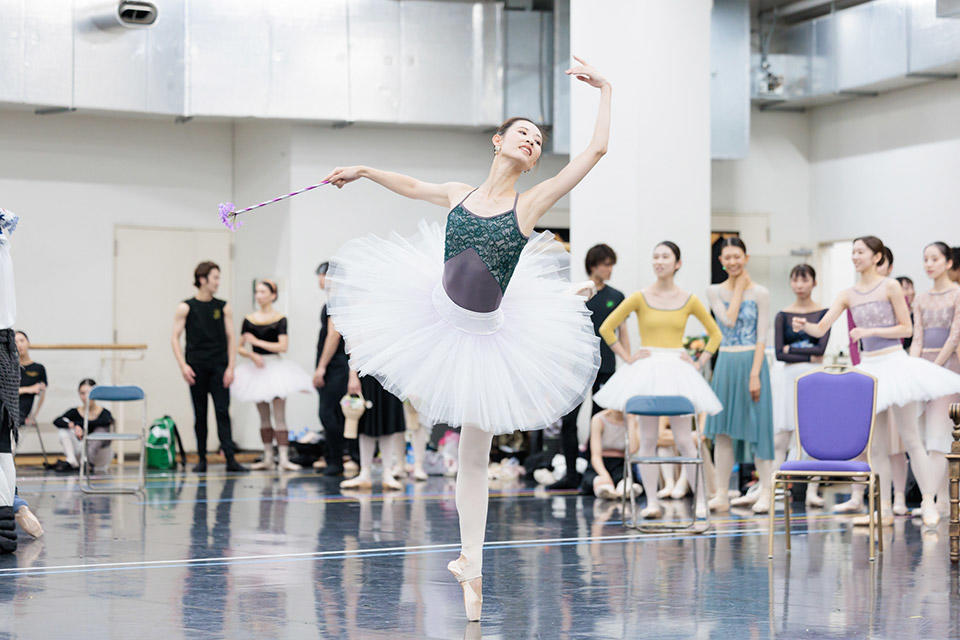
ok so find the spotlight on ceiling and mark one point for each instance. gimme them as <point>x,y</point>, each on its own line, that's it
<point>129,14</point>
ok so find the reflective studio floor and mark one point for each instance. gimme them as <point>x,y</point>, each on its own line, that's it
<point>262,556</point>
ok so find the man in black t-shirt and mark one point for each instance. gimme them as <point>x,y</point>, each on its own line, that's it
<point>331,378</point>
<point>33,382</point>
<point>208,360</point>
<point>599,265</point>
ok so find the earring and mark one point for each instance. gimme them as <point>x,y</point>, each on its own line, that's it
<point>496,150</point>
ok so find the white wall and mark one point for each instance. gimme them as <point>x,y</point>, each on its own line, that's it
<point>889,166</point>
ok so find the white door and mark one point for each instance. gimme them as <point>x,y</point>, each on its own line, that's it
<point>153,272</point>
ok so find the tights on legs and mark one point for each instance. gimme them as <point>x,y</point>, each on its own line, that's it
<point>266,428</point>
<point>649,473</point>
<point>781,447</point>
<point>906,418</point>
<point>687,446</point>
<point>723,465</point>
<point>472,495</point>
<point>419,437</point>
<point>280,420</point>
<point>880,457</point>
<point>368,447</point>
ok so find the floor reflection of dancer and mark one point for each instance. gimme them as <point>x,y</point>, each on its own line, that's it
<point>744,429</point>
<point>662,367</point>
<point>936,335</point>
<point>434,320</point>
<point>266,378</point>
<point>880,311</point>
<point>799,354</point>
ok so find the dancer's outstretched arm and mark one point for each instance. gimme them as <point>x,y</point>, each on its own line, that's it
<point>537,201</point>
<point>816,330</point>
<point>443,195</point>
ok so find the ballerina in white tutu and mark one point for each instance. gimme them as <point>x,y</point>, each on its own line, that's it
<point>265,377</point>
<point>662,367</point>
<point>903,383</point>
<point>433,318</point>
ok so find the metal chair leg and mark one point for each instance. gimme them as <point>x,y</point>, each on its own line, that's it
<point>773,492</point>
<point>786,512</point>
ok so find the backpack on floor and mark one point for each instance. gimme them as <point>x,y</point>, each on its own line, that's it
<point>161,446</point>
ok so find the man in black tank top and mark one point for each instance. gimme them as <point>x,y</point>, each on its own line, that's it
<point>207,365</point>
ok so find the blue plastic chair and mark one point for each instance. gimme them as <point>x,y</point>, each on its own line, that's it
<point>835,416</point>
<point>663,406</point>
<point>107,393</point>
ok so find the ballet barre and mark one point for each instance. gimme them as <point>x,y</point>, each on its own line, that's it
<point>953,459</point>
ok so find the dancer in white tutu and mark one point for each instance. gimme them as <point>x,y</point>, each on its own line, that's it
<point>432,317</point>
<point>662,367</point>
<point>936,335</point>
<point>799,354</point>
<point>880,312</point>
<point>265,377</point>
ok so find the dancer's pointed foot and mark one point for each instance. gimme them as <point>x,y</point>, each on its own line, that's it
<point>666,491</point>
<point>419,474</point>
<point>929,512</point>
<point>899,504</point>
<point>719,503</point>
<point>886,520</point>
<point>652,512</point>
<point>680,489</point>
<point>853,505</point>
<point>391,484</point>
<point>745,500</point>
<point>762,503</point>
<point>813,500</point>
<point>360,482</point>
<point>472,589</point>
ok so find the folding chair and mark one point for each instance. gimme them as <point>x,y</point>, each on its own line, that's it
<point>129,393</point>
<point>835,411</point>
<point>663,406</point>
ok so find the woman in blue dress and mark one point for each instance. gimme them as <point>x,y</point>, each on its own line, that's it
<point>433,319</point>
<point>744,429</point>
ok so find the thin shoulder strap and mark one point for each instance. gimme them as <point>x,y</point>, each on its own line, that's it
<point>466,196</point>
<point>515,199</point>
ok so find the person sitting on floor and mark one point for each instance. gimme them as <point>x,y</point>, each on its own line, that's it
<point>70,426</point>
<point>604,478</point>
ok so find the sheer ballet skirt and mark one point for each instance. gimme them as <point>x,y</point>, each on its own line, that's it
<point>521,366</point>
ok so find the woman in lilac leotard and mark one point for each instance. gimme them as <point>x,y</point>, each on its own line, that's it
<point>880,312</point>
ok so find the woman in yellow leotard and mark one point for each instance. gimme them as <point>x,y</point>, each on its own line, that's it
<point>661,367</point>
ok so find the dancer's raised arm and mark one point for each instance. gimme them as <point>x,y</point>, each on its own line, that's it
<point>817,330</point>
<point>537,201</point>
<point>440,194</point>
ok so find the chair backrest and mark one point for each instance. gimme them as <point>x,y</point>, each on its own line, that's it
<point>659,406</point>
<point>124,393</point>
<point>835,413</point>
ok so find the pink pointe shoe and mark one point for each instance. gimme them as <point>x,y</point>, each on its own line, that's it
<point>472,589</point>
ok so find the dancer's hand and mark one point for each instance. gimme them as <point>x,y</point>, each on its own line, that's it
<point>755,387</point>
<point>78,431</point>
<point>343,175</point>
<point>587,73</point>
<point>353,385</point>
<point>640,354</point>
<point>227,378</point>
<point>703,360</point>
<point>859,333</point>
<point>799,324</point>
<point>318,377</point>
<point>187,372</point>
<point>257,360</point>
<point>686,358</point>
<point>248,338</point>
<point>743,281</point>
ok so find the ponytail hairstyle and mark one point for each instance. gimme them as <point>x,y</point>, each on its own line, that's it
<point>876,246</point>
<point>803,271</point>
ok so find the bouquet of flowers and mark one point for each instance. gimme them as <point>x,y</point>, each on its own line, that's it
<point>695,345</point>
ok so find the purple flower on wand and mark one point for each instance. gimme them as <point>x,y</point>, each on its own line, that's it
<point>227,216</point>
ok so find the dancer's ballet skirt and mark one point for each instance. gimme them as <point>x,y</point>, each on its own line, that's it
<point>522,366</point>
<point>278,378</point>
<point>663,373</point>
<point>902,379</point>
<point>783,381</point>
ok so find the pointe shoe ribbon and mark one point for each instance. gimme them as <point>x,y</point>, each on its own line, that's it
<point>353,407</point>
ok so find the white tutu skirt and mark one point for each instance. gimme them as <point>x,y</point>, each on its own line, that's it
<point>783,380</point>
<point>523,366</point>
<point>902,379</point>
<point>278,378</point>
<point>663,373</point>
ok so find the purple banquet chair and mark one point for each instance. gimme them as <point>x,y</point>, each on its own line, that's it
<point>835,417</point>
